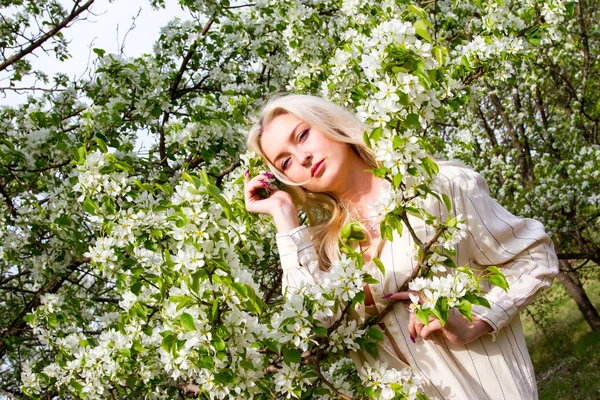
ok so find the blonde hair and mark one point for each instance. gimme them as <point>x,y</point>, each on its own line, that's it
<point>326,213</point>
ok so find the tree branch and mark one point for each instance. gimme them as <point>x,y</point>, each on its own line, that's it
<point>18,324</point>
<point>15,276</point>
<point>162,148</point>
<point>37,43</point>
<point>329,384</point>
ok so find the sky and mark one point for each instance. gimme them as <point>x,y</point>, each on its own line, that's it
<point>106,30</point>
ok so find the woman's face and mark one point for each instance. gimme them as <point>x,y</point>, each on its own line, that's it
<point>303,153</point>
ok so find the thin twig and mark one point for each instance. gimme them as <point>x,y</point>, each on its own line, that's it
<point>37,43</point>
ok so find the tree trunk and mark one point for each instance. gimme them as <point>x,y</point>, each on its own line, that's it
<point>571,282</point>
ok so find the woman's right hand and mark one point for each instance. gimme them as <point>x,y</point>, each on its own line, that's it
<point>278,204</point>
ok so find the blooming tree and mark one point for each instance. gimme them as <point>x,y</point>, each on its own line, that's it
<point>134,274</point>
<point>532,129</point>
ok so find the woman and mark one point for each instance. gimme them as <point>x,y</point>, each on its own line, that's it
<point>316,150</point>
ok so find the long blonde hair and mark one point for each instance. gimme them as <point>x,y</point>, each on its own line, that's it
<point>326,213</point>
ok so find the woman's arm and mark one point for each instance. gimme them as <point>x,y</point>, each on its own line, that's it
<point>299,260</point>
<point>519,246</point>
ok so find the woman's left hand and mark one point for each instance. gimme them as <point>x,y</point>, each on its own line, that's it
<point>458,330</point>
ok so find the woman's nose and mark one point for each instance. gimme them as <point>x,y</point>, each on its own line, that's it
<point>307,160</point>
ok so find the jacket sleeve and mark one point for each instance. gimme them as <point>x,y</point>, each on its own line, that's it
<point>519,246</point>
<point>299,260</point>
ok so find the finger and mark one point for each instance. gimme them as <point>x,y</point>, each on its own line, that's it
<point>402,296</point>
<point>267,177</point>
<point>254,184</point>
<point>411,326</point>
<point>246,176</point>
<point>418,327</point>
<point>434,325</point>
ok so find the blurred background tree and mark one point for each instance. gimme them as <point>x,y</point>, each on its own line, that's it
<point>94,280</point>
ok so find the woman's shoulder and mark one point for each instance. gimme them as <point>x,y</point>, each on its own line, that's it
<point>456,173</point>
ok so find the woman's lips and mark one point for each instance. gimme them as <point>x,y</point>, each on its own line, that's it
<point>316,169</point>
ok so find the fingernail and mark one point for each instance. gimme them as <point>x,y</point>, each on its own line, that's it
<point>387,296</point>
<point>412,338</point>
<point>265,183</point>
<point>269,175</point>
<point>246,173</point>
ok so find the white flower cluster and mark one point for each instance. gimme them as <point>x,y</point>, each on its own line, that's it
<point>344,337</point>
<point>454,235</point>
<point>399,158</point>
<point>299,332</point>
<point>388,381</point>
<point>452,287</point>
<point>344,279</point>
<point>288,379</point>
<point>92,182</point>
<point>337,375</point>
<point>102,253</point>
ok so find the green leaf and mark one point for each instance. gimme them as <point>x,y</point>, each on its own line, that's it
<point>215,193</point>
<point>447,202</point>
<point>102,145</point>
<point>123,166</point>
<point>75,385</point>
<point>206,361</point>
<point>99,52</point>
<point>226,378</point>
<point>376,134</point>
<point>125,352</point>
<point>413,120</point>
<point>418,11</point>
<point>570,7</point>
<point>423,316</point>
<point>366,139</point>
<point>477,300</point>
<point>370,348</point>
<point>135,288</point>
<point>448,262</point>
<point>52,321</point>
<point>187,321</point>
<point>438,52</point>
<point>375,333</point>
<point>421,29</point>
<point>90,206</point>
<point>352,232</point>
<point>370,280</point>
<point>465,309</point>
<point>430,166</point>
<point>397,179</point>
<point>465,61</point>
<point>218,343</point>
<point>360,297</point>
<point>292,356</point>
<point>321,331</point>
<point>80,155</point>
<point>497,277</point>
<point>379,264</point>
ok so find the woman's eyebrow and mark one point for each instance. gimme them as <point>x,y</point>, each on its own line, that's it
<point>289,139</point>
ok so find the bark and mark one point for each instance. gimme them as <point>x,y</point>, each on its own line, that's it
<point>569,279</point>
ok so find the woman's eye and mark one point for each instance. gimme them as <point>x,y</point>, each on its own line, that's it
<point>285,164</point>
<point>303,134</point>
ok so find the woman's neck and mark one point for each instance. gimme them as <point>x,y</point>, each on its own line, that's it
<point>360,187</point>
